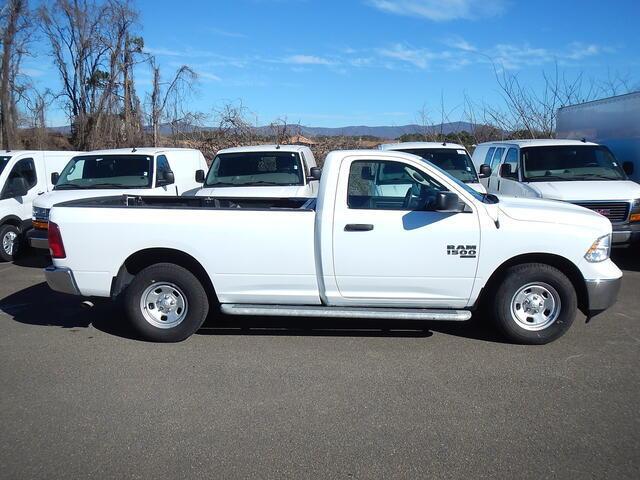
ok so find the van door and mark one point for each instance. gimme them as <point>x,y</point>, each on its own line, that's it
<point>24,173</point>
<point>492,181</point>
<point>509,184</point>
<point>390,247</point>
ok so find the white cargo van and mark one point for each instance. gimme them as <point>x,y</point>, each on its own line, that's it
<point>263,171</point>
<point>579,172</point>
<point>450,157</point>
<point>132,171</point>
<point>24,176</point>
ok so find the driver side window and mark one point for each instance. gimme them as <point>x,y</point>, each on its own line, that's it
<point>25,169</point>
<point>388,185</point>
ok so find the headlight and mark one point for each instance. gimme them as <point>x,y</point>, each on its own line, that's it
<point>41,214</point>
<point>600,250</point>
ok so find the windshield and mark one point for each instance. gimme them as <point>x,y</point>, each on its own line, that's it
<point>245,169</point>
<point>570,162</point>
<point>106,171</point>
<point>455,161</point>
<point>3,162</point>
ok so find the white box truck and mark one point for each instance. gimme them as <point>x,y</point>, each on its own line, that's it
<point>613,122</point>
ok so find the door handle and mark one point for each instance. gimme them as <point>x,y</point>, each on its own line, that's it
<point>40,193</point>
<point>358,227</point>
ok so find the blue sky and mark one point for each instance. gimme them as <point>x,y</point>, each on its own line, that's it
<point>377,62</point>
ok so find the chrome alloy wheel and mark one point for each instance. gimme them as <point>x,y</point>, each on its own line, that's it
<point>163,305</point>
<point>9,243</point>
<point>535,306</point>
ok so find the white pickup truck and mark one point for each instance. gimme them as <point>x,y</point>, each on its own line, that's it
<point>436,252</point>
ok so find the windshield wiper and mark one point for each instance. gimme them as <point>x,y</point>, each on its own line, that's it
<point>220,184</point>
<point>68,186</point>
<point>106,185</point>
<point>595,175</point>
<point>262,182</point>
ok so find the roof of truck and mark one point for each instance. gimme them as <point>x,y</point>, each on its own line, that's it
<point>265,148</point>
<point>20,152</point>
<point>415,145</point>
<point>140,151</point>
<point>539,142</point>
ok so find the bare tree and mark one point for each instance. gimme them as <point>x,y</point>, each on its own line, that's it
<point>167,96</point>
<point>16,21</point>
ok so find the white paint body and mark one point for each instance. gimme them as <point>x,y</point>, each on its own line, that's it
<point>305,256</point>
<point>307,189</point>
<point>46,162</point>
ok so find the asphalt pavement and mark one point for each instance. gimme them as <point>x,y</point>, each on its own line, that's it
<point>82,397</point>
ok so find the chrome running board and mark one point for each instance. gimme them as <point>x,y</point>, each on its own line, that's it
<point>345,312</point>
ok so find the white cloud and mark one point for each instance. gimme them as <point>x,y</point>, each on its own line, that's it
<point>441,10</point>
<point>208,76</point>
<point>227,33</point>
<point>417,57</point>
<point>308,60</point>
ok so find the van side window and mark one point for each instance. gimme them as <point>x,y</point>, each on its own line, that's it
<point>25,169</point>
<point>496,158</point>
<point>162,165</point>
<point>512,159</point>
<point>489,155</point>
<point>387,185</point>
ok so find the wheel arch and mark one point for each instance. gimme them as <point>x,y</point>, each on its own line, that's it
<point>12,220</point>
<point>144,258</point>
<point>563,264</point>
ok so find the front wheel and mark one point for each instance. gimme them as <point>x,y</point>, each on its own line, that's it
<point>9,242</point>
<point>166,303</point>
<point>535,304</point>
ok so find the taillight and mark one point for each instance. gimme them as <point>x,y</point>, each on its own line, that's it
<point>56,247</point>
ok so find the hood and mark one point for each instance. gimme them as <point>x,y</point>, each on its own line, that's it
<point>549,211</point>
<point>478,187</point>
<point>587,190</point>
<point>288,191</point>
<point>48,200</point>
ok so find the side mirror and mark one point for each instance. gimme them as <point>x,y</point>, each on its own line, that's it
<point>315,173</point>
<point>485,171</point>
<point>166,178</point>
<point>628,168</point>
<point>55,176</point>
<point>505,171</point>
<point>447,202</point>
<point>200,176</point>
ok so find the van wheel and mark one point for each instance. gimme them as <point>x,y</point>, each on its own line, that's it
<point>166,303</point>
<point>535,304</point>
<point>9,242</point>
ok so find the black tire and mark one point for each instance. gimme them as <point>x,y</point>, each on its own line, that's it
<point>540,274</point>
<point>5,230</point>
<point>197,302</point>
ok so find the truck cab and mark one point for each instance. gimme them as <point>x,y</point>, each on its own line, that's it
<point>25,175</point>
<point>451,157</point>
<point>579,172</point>
<point>262,171</point>
<point>132,171</point>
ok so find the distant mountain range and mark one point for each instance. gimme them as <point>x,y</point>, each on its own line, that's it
<point>384,132</point>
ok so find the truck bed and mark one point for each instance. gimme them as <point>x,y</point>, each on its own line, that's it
<point>191,203</point>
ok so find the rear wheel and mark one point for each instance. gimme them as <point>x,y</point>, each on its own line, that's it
<point>166,303</point>
<point>9,242</point>
<point>535,304</point>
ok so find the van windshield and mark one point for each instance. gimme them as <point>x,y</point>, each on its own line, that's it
<point>570,163</point>
<point>4,161</point>
<point>244,169</point>
<point>455,161</point>
<point>106,171</point>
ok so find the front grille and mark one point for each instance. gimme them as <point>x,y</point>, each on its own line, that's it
<point>616,212</point>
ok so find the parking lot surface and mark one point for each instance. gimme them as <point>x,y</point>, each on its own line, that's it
<point>271,398</point>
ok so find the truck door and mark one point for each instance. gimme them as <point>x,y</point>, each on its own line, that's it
<point>24,173</point>
<point>508,183</point>
<point>390,250</point>
<point>492,181</point>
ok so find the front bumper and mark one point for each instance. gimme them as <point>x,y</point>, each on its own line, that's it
<point>38,238</point>
<point>625,234</point>
<point>61,280</point>
<point>602,294</point>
